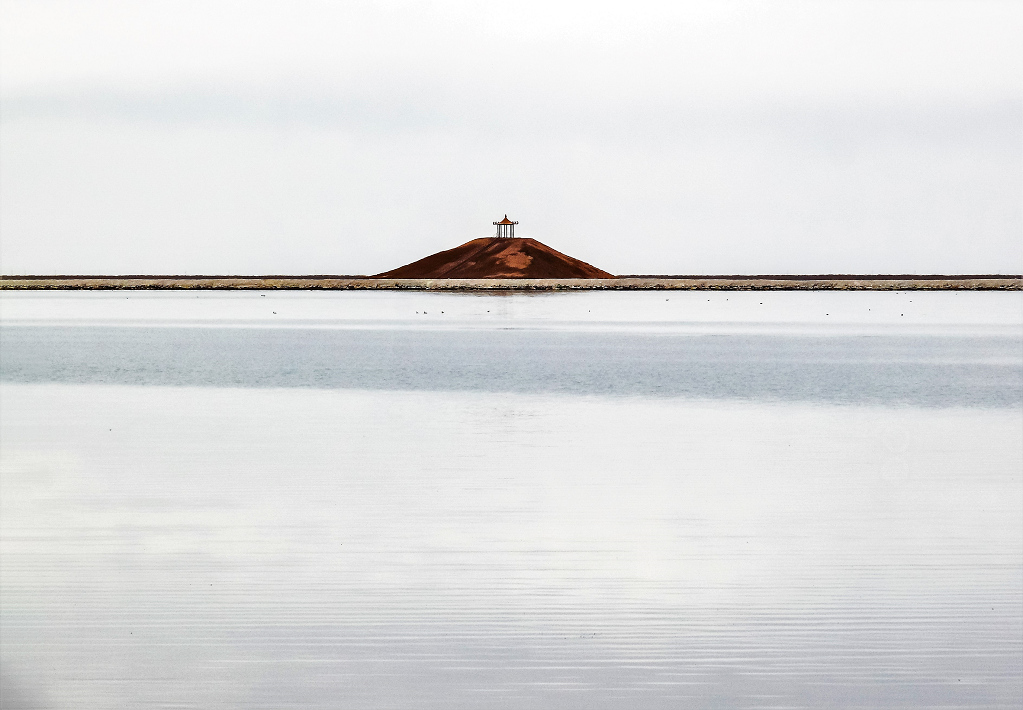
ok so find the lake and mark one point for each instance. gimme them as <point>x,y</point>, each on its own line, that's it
<point>580,500</point>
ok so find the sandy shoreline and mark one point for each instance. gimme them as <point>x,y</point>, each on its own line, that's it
<point>752,283</point>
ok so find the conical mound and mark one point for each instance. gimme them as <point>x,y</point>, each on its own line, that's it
<point>494,258</point>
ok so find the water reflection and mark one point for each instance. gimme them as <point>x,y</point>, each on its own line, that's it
<point>266,548</point>
<point>929,370</point>
<point>571,501</point>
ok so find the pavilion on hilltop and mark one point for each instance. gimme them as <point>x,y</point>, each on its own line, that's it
<point>505,228</point>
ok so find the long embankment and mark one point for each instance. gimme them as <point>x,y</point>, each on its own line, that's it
<point>626,283</point>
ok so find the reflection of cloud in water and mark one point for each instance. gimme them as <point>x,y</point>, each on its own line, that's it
<point>13,695</point>
<point>411,548</point>
<point>830,367</point>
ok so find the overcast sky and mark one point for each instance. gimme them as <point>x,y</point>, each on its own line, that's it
<point>678,137</point>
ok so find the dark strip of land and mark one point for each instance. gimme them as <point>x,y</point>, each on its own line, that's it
<point>840,282</point>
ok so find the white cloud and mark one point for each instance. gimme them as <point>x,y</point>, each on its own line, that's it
<point>310,136</point>
<point>929,49</point>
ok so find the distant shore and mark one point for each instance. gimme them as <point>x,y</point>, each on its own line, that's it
<point>623,283</point>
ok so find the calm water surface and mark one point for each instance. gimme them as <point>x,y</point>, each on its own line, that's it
<point>634,500</point>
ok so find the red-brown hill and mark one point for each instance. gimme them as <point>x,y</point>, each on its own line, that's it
<point>497,258</point>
